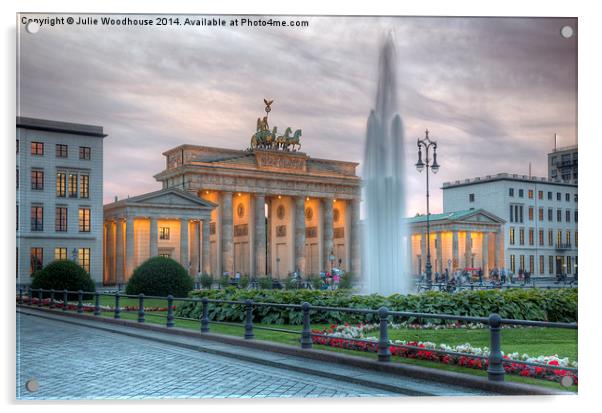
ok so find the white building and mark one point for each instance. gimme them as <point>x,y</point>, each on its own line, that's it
<point>562,164</point>
<point>59,195</point>
<point>540,233</point>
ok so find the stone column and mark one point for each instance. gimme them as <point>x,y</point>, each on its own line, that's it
<point>227,233</point>
<point>154,237</point>
<point>439,253</point>
<point>455,250</point>
<point>184,255</point>
<point>129,247</point>
<point>300,235</point>
<point>206,247</point>
<point>468,249</point>
<point>354,238</point>
<point>485,254</point>
<point>260,240</point>
<point>422,252</point>
<point>498,249</point>
<point>269,246</point>
<point>327,232</point>
<point>194,249</point>
<point>119,269</point>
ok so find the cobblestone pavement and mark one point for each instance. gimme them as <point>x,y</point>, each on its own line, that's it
<point>75,362</point>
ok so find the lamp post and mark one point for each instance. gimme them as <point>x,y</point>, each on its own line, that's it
<point>427,144</point>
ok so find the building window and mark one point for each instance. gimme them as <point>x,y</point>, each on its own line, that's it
<point>530,194</point>
<point>559,237</point>
<point>83,256</point>
<point>511,213</point>
<point>17,178</point>
<point>37,148</point>
<point>567,197</point>
<point>17,145</point>
<point>37,218</point>
<point>549,195</point>
<point>84,220</point>
<point>531,264</point>
<point>37,180</point>
<point>568,238</point>
<point>72,185</point>
<point>60,219</point>
<point>551,264</point>
<point>567,216</point>
<point>520,214</point>
<point>60,253</point>
<point>576,216</point>
<point>513,263</point>
<point>550,237</point>
<point>550,214</point>
<point>569,264</point>
<point>17,217</point>
<point>511,192</point>
<point>61,151</point>
<point>541,214</point>
<point>84,153</point>
<point>61,184</point>
<point>559,215</point>
<point>575,197</point>
<point>531,236</point>
<point>165,255</point>
<point>511,235</point>
<point>530,213</point>
<point>521,193</point>
<point>521,262</point>
<point>540,195</point>
<point>541,236</point>
<point>470,197</point>
<point>541,265</point>
<point>164,233</point>
<point>84,189</point>
<point>558,196</point>
<point>36,259</point>
<point>521,236</point>
<point>576,239</point>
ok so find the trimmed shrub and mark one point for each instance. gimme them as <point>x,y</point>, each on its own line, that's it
<point>265,283</point>
<point>63,275</point>
<point>224,281</point>
<point>244,282</point>
<point>535,304</point>
<point>346,281</point>
<point>206,281</point>
<point>160,276</point>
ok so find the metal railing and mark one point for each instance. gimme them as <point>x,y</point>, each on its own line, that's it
<point>495,360</point>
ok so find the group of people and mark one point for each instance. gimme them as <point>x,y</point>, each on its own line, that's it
<point>330,280</point>
<point>469,276</point>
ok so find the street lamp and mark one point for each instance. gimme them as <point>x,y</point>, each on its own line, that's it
<point>427,144</point>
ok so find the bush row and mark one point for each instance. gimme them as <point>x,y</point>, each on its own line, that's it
<point>537,304</point>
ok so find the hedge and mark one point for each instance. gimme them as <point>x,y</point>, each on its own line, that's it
<point>558,305</point>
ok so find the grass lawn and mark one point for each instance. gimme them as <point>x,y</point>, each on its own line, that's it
<point>533,341</point>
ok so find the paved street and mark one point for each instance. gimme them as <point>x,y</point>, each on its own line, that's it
<point>76,362</point>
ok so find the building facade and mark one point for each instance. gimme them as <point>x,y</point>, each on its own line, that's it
<point>562,164</point>
<point>169,223</point>
<point>458,240</point>
<point>278,211</point>
<point>541,218</point>
<point>59,195</point>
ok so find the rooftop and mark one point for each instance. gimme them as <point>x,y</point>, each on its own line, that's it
<point>505,176</point>
<point>60,127</point>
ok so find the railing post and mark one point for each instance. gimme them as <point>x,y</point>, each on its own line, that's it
<point>80,301</point>
<point>170,322</point>
<point>51,305</point>
<point>141,308</point>
<point>495,370</point>
<point>20,295</point>
<point>39,297</point>
<point>249,320</point>
<point>96,303</point>
<point>205,315</point>
<point>117,309</point>
<point>384,353</point>
<point>306,333</point>
<point>65,299</point>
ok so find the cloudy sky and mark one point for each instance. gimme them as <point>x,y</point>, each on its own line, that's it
<point>492,91</point>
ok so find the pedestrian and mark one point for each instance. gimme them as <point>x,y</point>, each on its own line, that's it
<point>481,276</point>
<point>336,279</point>
<point>446,275</point>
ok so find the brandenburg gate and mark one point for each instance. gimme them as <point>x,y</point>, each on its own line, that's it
<point>278,210</point>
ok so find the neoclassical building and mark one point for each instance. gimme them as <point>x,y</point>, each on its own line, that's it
<point>276,211</point>
<point>168,222</point>
<point>471,238</point>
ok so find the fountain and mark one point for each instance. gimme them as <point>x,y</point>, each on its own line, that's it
<point>384,234</point>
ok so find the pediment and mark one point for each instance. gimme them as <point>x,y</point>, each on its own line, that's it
<point>482,216</point>
<point>171,197</point>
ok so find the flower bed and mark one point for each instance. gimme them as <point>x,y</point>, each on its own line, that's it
<point>90,307</point>
<point>350,338</point>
